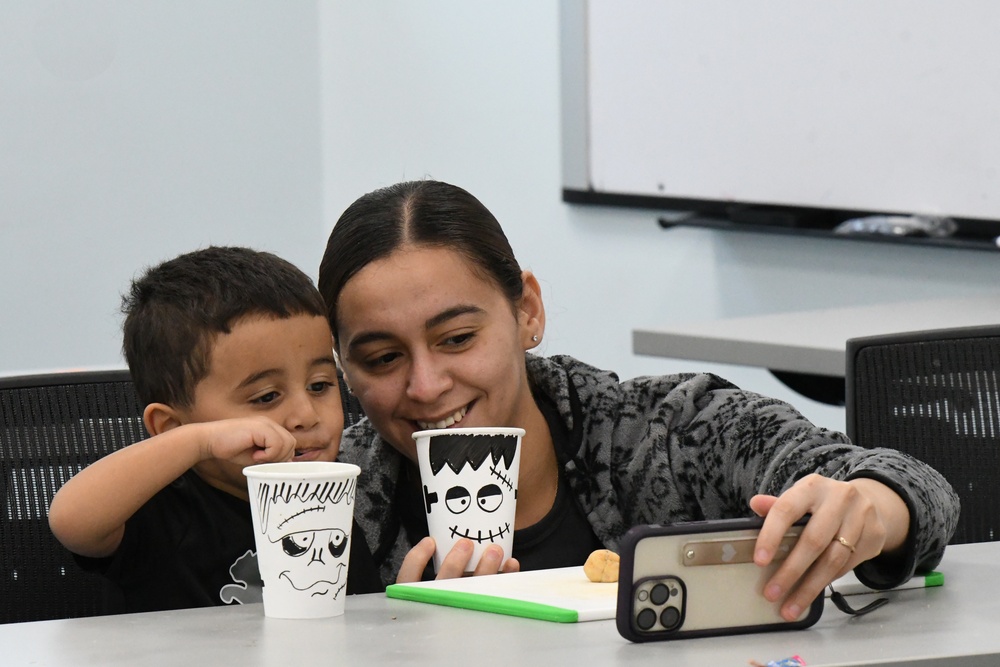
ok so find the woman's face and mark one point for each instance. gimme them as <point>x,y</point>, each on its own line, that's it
<point>427,343</point>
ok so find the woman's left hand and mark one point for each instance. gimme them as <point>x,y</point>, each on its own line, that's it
<point>851,522</point>
<point>454,563</point>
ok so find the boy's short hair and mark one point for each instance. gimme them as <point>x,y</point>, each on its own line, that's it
<point>174,311</point>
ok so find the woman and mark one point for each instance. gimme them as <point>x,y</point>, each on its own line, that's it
<point>432,319</point>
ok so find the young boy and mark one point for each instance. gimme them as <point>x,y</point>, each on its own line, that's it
<point>231,353</point>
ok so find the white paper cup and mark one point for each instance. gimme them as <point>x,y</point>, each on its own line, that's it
<point>469,487</point>
<point>303,515</point>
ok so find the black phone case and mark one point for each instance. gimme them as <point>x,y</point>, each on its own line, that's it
<point>698,579</point>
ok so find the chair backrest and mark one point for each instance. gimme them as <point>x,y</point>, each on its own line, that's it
<point>51,426</point>
<point>936,396</point>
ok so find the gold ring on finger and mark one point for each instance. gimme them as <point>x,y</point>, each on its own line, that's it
<point>845,543</point>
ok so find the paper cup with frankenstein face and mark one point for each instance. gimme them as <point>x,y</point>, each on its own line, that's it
<point>302,518</point>
<point>469,480</point>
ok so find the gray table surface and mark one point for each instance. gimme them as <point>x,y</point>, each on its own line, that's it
<point>811,341</point>
<point>957,624</point>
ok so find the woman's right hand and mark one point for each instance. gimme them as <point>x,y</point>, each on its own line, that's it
<point>454,563</point>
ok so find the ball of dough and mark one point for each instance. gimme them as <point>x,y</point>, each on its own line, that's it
<point>602,566</point>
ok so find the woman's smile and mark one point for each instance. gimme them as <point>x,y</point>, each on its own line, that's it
<point>450,420</point>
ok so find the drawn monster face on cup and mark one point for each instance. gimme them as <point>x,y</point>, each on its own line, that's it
<point>469,479</point>
<point>303,541</point>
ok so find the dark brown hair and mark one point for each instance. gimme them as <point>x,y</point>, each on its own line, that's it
<point>174,311</point>
<point>420,213</point>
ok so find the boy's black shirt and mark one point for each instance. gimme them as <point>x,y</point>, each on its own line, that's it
<point>192,545</point>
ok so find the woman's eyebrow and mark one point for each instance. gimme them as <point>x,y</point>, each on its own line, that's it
<point>368,337</point>
<point>446,315</point>
<point>437,320</point>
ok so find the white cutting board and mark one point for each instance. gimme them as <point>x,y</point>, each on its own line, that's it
<point>564,594</point>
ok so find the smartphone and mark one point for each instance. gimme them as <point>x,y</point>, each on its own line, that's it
<point>698,579</point>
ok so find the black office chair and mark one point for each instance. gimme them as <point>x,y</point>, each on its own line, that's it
<point>936,396</point>
<point>51,426</point>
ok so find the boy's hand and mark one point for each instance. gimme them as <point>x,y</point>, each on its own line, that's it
<point>454,563</point>
<point>246,441</point>
<point>89,512</point>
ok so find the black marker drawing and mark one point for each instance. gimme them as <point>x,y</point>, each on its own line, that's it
<point>307,535</point>
<point>473,475</point>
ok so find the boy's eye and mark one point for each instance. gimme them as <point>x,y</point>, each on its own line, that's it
<point>320,387</point>
<point>269,397</point>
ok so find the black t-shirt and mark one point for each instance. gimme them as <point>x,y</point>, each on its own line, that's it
<point>192,545</point>
<point>563,537</point>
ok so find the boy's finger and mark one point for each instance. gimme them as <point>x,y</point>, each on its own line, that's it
<point>276,447</point>
<point>279,443</point>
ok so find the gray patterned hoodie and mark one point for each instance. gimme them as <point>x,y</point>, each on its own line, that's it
<point>663,449</point>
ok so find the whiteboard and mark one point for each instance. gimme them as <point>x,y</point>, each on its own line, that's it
<point>874,105</point>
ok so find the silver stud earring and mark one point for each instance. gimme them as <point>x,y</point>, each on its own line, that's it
<point>534,339</point>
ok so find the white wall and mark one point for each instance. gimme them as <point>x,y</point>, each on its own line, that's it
<point>133,131</point>
<point>207,128</point>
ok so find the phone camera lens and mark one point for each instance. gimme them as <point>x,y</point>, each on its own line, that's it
<point>659,594</point>
<point>670,618</point>
<point>645,619</point>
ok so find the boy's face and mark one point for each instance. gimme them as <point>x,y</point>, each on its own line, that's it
<point>279,368</point>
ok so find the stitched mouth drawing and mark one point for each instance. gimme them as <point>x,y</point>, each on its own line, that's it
<point>491,536</point>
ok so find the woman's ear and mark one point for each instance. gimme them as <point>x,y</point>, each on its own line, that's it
<point>531,311</point>
<point>159,417</point>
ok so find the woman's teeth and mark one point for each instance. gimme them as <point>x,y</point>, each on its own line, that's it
<point>446,422</point>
